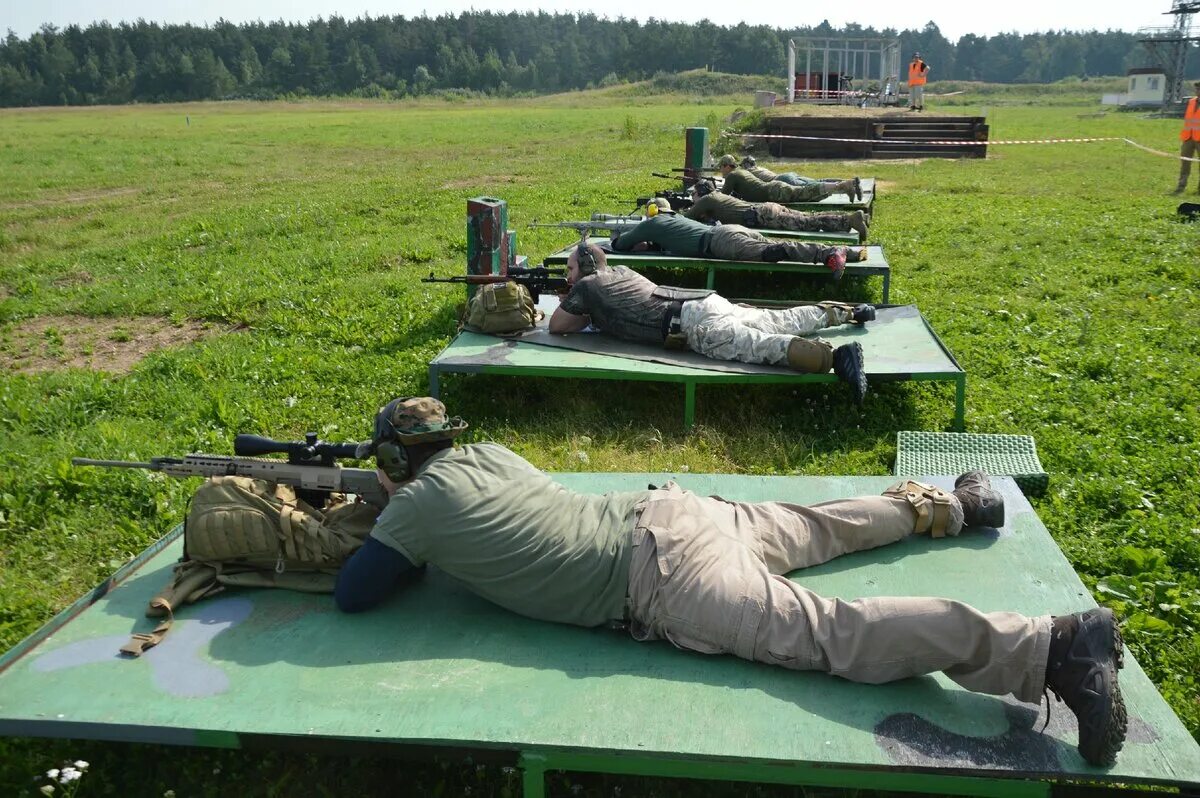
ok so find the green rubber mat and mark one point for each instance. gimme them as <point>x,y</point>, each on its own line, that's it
<point>952,453</point>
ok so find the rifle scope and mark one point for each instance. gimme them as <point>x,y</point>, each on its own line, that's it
<point>306,451</point>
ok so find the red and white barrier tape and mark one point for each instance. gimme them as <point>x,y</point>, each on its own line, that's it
<point>960,143</point>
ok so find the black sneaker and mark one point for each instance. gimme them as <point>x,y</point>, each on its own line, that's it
<point>1083,675</point>
<point>863,313</point>
<point>849,368</point>
<point>982,505</point>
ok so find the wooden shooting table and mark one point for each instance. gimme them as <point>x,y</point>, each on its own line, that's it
<point>898,346</point>
<point>875,264</point>
<point>436,669</point>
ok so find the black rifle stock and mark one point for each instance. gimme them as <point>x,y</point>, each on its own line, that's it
<point>538,280</point>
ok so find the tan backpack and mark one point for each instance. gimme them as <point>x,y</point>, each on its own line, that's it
<point>498,308</point>
<point>244,532</point>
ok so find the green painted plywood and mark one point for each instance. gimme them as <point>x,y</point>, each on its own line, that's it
<point>899,344</point>
<point>439,666</point>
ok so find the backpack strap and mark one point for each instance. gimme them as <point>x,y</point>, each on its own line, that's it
<point>190,582</point>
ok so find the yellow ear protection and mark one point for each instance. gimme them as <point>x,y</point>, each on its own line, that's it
<point>390,456</point>
<point>651,209</point>
<point>586,259</point>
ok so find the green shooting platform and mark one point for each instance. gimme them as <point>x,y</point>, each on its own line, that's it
<point>875,265</point>
<point>898,346</point>
<point>438,669</point>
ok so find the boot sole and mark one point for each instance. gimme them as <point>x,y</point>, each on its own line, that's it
<point>1104,751</point>
<point>855,377</point>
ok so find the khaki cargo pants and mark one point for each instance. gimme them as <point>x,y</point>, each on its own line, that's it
<point>707,575</point>
<point>772,215</point>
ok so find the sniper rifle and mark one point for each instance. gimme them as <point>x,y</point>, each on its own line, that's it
<point>603,222</point>
<point>537,279</point>
<point>311,467</point>
<point>680,200</point>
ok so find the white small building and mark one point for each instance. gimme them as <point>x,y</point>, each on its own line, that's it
<point>1147,87</point>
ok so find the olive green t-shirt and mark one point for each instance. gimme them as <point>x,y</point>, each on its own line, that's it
<point>744,185</point>
<point>718,207</point>
<point>672,232</point>
<point>512,535</point>
<point>762,173</point>
<point>741,183</point>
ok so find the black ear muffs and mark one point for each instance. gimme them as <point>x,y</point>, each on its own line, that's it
<point>586,259</point>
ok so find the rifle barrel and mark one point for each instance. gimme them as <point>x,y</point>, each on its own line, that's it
<point>86,461</point>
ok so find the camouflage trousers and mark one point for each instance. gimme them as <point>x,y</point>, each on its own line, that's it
<point>734,242</point>
<point>1189,148</point>
<point>717,328</point>
<point>793,179</point>
<point>773,216</point>
<point>805,192</point>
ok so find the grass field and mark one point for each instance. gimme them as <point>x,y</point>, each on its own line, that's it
<point>173,275</point>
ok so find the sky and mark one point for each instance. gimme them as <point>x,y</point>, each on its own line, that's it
<point>953,17</point>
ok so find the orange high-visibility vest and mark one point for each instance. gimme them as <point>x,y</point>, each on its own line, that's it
<point>1191,122</point>
<point>916,73</point>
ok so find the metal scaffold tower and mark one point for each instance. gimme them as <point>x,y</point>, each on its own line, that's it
<point>832,65</point>
<point>1169,46</point>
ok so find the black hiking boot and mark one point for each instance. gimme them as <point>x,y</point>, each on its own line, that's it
<point>849,368</point>
<point>858,195</point>
<point>863,313</point>
<point>982,505</point>
<point>1085,653</point>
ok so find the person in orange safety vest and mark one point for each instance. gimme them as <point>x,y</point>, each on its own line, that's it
<point>918,70</point>
<point>1190,136</point>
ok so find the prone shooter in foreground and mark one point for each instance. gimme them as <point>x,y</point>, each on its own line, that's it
<point>707,574</point>
<point>704,573</point>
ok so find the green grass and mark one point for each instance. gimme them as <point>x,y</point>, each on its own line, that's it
<point>1055,273</point>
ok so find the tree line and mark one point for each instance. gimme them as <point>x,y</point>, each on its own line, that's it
<point>488,52</point>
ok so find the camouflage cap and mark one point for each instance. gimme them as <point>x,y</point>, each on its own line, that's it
<point>410,420</point>
<point>663,204</point>
<point>727,160</point>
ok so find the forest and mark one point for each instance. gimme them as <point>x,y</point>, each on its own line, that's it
<point>478,51</point>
